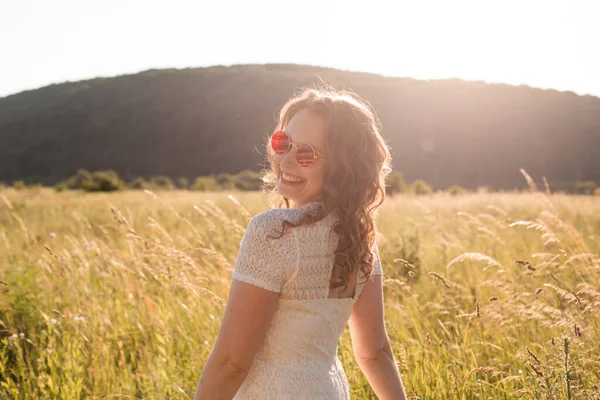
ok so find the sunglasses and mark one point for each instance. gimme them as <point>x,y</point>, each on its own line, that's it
<point>305,153</point>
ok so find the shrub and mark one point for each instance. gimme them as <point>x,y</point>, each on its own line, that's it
<point>83,179</point>
<point>36,187</point>
<point>61,186</point>
<point>587,187</point>
<point>395,183</point>
<point>162,182</point>
<point>205,183</point>
<point>456,190</point>
<point>99,181</point>
<point>226,181</point>
<point>139,183</point>
<point>183,183</point>
<point>248,180</point>
<point>421,188</point>
<point>19,185</point>
<point>106,181</point>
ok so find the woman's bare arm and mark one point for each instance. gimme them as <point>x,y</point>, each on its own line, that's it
<point>249,312</point>
<point>371,344</point>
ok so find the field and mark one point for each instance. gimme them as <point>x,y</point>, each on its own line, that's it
<point>488,296</point>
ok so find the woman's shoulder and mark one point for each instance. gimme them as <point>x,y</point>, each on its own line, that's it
<point>277,215</point>
<point>273,219</point>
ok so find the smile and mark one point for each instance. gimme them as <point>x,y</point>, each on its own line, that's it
<point>290,179</point>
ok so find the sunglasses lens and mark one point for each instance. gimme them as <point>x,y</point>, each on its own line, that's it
<point>305,155</point>
<point>280,142</point>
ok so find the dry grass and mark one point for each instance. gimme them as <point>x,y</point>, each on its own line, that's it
<point>120,295</point>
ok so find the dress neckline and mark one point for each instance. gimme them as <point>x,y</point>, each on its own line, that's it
<point>311,204</point>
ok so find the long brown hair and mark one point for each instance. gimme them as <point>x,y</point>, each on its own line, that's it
<point>358,162</point>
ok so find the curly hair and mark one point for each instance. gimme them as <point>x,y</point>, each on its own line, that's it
<point>358,162</point>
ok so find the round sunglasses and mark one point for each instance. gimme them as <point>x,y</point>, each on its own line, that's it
<point>305,153</point>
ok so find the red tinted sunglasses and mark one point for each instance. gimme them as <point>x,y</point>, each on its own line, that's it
<point>305,153</point>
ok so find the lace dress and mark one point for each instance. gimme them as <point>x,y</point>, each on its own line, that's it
<point>298,359</point>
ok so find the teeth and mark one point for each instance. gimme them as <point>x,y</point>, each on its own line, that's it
<point>291,178</point>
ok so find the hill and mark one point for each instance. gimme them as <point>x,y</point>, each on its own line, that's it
<point>202,121</point>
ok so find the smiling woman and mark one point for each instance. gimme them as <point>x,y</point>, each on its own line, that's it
<point>300,171</point>
<point>305,270</point>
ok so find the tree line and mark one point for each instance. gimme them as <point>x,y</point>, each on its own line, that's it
<point>207,121</point>
<point>247,180</point>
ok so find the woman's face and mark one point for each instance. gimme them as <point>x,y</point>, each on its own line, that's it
<point>304,127</point>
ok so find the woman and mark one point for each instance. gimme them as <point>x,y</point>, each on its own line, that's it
<point>304,271</point>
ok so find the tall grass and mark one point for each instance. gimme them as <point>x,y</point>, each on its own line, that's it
<point>121,295</point>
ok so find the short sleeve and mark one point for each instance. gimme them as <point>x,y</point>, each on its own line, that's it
<point>259,261</point>
<point>377,270</point>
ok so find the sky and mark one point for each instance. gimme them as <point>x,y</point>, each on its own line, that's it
<point>545,44</point>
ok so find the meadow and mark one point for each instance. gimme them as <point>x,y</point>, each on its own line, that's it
<point>120,296</point>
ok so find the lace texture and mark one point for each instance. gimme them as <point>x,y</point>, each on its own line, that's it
<point>298,358</point>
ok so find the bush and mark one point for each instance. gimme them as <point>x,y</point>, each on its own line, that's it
<point>205,183</point>
<point>19,185</point>
<point>421,188</point>
<point>139,183</point>
<point>588,187</point>
<point>456,190</point>
<point>248,180</point>
<point>61,186</point>
<point>83,179</point>
<point>395,183</point>
<point>183,183</point>
<point>226,181</point>
<point>162,182</point>
<point>597,192</point>
<point>99,181</point>
<point>106,181</point>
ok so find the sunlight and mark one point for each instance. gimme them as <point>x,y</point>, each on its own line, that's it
<point>548,44</point>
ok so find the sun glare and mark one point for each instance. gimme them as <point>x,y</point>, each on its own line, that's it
<point>548,44</point>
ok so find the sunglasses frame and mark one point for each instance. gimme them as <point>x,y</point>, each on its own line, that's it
<point>298,146</point>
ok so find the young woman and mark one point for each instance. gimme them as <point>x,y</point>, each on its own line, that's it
<point>303,272</point>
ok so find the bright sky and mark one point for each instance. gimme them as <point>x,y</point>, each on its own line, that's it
<point>546,43</point>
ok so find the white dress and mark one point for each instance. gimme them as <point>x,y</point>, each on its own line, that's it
<point>298,359</point>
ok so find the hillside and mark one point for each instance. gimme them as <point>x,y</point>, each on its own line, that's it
<point>201,121</point>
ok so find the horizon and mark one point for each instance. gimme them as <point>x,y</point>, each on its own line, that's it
<point>300,65</point>
<point>550,44</point>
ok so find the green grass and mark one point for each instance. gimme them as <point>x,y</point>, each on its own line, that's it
<point>121,295</point>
